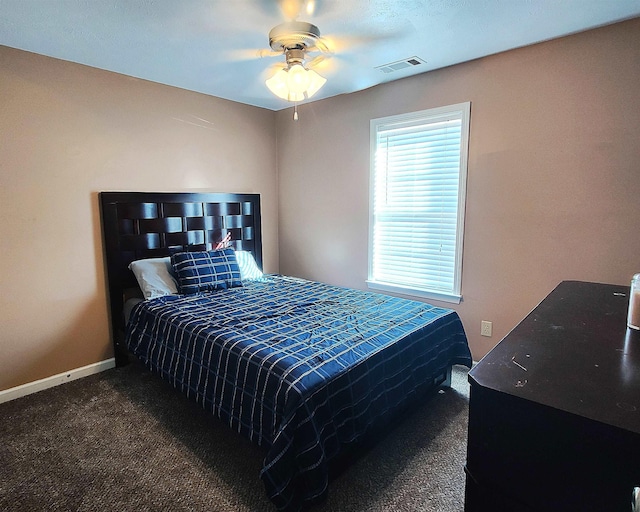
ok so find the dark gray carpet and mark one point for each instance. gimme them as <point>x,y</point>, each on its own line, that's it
<point>124,440</point>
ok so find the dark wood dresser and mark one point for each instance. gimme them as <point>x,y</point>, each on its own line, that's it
<point>554,411</point>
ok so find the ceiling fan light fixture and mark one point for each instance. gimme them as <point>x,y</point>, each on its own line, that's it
<point>298,79</point>
<point>295,83</point>
<point>277,84</point>
<point>315,82</point>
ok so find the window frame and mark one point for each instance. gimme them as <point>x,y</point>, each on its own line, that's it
<point>460,111</point>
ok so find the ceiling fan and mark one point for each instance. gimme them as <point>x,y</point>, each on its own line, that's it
<point>307,54</point>
<point>296,81</point>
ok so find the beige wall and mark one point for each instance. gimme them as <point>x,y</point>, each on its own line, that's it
<point>69,131</point>
<point>553,190</point>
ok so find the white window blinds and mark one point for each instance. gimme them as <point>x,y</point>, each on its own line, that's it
<point>417,202</point>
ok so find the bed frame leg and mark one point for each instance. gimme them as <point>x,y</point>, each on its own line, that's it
<point>442,379</point>
<point>446,383</point>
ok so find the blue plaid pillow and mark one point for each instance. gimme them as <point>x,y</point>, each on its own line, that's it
<point>206,270</point>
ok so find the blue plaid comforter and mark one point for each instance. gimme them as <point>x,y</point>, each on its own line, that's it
<point>299,367</point>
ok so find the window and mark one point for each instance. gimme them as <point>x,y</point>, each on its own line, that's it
<point>418,182</point>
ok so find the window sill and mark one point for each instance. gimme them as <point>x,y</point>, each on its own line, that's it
<point>412,292</point>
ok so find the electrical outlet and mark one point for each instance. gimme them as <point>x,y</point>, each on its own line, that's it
<point>486,328</point>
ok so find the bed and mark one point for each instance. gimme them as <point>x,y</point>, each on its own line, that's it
<point>304,369</point>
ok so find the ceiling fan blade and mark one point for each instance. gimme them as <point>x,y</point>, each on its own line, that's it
<point>320,46</point>
<point>295,9</point>
<point>339,43</point>
<point>271,70</point>
<point>326,66</point>
<point>316,61</point>
<point>243,54</point>
<point>291,9</point>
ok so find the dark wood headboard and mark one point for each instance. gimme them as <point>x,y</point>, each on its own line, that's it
<point>137,225</point>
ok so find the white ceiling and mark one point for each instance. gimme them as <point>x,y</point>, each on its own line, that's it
<point>212,46</point>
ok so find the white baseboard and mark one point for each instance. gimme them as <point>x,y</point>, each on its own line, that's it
<point>55,380</point>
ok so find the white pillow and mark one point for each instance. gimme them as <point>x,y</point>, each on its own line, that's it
<point>155,277</point>
<point>248,267</point>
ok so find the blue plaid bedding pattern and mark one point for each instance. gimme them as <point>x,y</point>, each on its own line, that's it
<point>202,271</point>
<point>299,367</point>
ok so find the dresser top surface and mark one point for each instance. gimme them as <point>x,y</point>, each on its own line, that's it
<point>573,352</point>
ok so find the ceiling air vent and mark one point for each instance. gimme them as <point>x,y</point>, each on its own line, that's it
<point>401,64</point>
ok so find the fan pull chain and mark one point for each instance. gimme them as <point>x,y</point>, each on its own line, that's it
<point>295,112</point>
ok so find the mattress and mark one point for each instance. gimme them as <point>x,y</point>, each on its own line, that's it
<point>299,367</point>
